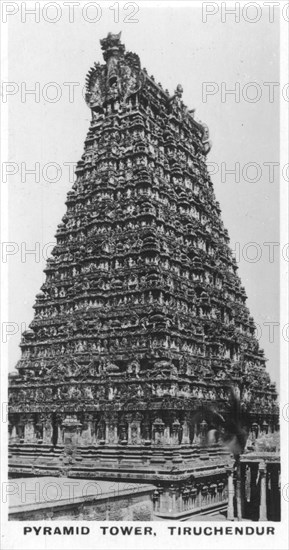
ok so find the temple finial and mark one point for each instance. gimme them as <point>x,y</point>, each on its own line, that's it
<point>111,45</point>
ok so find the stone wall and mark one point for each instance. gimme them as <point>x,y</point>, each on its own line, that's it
<point>128,508</point>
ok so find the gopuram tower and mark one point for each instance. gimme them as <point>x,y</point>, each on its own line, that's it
<point>141,331</point>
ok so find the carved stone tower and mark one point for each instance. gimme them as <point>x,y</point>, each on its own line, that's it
<point>141,329</point>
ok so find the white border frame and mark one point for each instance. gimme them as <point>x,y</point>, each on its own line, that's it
<point>12,532</point>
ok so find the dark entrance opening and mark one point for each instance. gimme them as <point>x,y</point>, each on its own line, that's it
<point>54,430</point>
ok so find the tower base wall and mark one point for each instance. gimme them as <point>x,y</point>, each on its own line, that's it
<point>181,481</point>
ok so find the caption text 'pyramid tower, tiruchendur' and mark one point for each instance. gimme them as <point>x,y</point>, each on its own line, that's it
<point>141,331</point>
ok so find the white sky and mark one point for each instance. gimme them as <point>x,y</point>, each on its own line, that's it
<point>176,47</point>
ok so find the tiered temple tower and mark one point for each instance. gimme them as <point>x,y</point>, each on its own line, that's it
<point>141,329</point>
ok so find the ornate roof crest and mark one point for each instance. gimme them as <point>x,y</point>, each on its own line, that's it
<point>111,45</point>
<point>119,78</point>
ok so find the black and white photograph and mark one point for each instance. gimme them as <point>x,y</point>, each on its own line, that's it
<point>144,275</point>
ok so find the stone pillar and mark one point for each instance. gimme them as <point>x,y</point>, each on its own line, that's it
<point>203,432</point>
<point>47,430</point>
<point>57,420</point>
<point>247,487</point>
<point>220,491</point>
<point>86,434</point>
<point>254,431</point>
<point>111,430</point>
<point>123,433</point>
<point>78,436</point>
<point>263,503</point>
<point>156,500</point>
<point>14,436</point>
<point>88,439</point>
<point>213,493</point>
<point>110,433</point>
<point>270,428</point>
<point>185,498</point>
<point>101,432</point>
<point>204,492</point>
<point>238,489</point>
<point>194,493</point>
<point>197,439</point>
<point>10,427</point>
<point>167,436</point>
<point>29,432</point>
<point>172,505</point>
<point>128,419</point>
<point>199,495</point>
<point>230,511</point>
<point>59,434</point>
<point>161,499</point>
<point>93,431</point>
<point>186,433</point>
<point>158,431</point>
<point>146,432</point>
<point>175,432</point>
<point>134,430</point>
